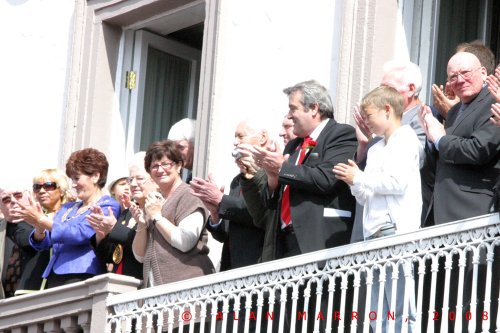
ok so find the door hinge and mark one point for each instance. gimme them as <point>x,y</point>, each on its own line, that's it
<point>130,81</point>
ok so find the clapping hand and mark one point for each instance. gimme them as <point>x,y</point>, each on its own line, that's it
<point>495,114</point>
<point>102,224</point>
<point>432,127</point>
<point>443,99</point>
<point>346,172</point>
<point>246,163</point>
<point>29,211</point>
<point>154,202</point>
<point>494,84</point>
<point>137,214</point>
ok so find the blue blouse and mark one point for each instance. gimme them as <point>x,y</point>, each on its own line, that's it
<point>70,240</point>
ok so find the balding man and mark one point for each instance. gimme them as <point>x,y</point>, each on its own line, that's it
<point>230,222</point>
<point>468,146</point>
<point>286,131</point>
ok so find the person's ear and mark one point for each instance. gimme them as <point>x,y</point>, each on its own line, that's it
<point>95,177</point>
<point>314,109</point>
<point>388,110</point>
<point>412,88</point>
<point>264,137</point>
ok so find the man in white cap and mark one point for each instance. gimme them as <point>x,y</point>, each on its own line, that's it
<point>182,132</point>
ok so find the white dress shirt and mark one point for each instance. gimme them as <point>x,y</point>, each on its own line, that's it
<point>390,188</point>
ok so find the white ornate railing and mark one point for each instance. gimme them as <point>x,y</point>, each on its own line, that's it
<point>77,307</point>
<point>451,271</point>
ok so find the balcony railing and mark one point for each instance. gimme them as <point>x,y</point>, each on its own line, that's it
<point>452,271</point>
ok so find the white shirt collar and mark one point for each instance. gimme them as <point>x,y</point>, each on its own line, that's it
<point>317,131</point>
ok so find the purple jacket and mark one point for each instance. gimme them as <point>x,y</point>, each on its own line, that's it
<point>70,240</point>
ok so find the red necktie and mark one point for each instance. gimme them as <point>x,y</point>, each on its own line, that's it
<point>285,201</point>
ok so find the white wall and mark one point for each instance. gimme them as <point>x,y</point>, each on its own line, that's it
<point>264,47</point>
<point>36,39</point>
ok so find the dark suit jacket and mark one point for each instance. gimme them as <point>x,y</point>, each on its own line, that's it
<point>263,217</point>
<point>468,162</point>
<point>33,262</point>
<point>120,234</point>
<point>314,190</point>
<point>242,240</point>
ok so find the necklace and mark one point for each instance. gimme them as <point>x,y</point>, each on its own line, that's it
<point>82,209</point>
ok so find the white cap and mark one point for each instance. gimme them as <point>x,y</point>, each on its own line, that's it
<point>182,130</point>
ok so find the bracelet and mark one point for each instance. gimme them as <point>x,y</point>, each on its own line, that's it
<point>40,220</point>
<point>153,221</point>
<point>141,229</point>
<point>40,233</point>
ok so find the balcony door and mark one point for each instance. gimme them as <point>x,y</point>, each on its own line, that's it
<point>166,75</point>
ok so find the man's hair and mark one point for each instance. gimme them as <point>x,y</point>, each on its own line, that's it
<point>405,72</point>
<point>383,95</point>
<point>182,130</point>
<point>482,52</point>
<point>313,93</point>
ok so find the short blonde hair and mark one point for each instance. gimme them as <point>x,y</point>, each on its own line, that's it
<point>383,95</point>
<point>60,178</point>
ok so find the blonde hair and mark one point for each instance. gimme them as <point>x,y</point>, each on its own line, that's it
<point>60,178</point>
<point>383,95</point>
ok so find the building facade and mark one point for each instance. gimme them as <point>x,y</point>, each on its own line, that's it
<point>115,75</point>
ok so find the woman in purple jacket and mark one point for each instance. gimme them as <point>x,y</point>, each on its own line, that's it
<point>69,232</point>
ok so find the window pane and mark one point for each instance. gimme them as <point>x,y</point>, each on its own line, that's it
<point>166,95</point>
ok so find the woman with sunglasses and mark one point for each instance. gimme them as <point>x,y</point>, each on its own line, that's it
<point>114,238</point>
<point>68,233</point>
<point>51,190</point>
<point>171,239</point>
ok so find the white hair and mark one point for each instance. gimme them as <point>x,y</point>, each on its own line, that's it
<point>182,130</point>
<point>138,161</point>
<point>406,72</point>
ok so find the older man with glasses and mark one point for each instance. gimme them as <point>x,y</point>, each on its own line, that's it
<point>468,145</point>
<point>467,154</point>
<point>23,270</point>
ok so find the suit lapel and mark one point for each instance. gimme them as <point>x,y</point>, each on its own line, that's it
<point>468,110</point>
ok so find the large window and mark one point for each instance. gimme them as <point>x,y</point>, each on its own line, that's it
<point>464,21</point>
<point>167,74</point>
<point>434,28</point>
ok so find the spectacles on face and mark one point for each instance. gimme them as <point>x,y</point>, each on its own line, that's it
<point>8,199</point>
<point>138,180</point>
<point>164,165</point>
<point>465,74</point>
<point>47,186</point>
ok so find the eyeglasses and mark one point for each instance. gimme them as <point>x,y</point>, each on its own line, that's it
<point>163,165</point>
<point>48,186</point>
<point>8,199</point>
<point>466,75</point>
<point>138,180</point>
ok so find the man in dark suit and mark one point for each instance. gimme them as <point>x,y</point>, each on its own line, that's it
<point>315,209</point>
<point>467,147</point>
<point>31,262</point>
<point>466,152</point>
<point>230,222</point>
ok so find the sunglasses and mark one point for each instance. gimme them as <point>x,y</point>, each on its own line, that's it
<point>48,186</point>
<point>8,199</point>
